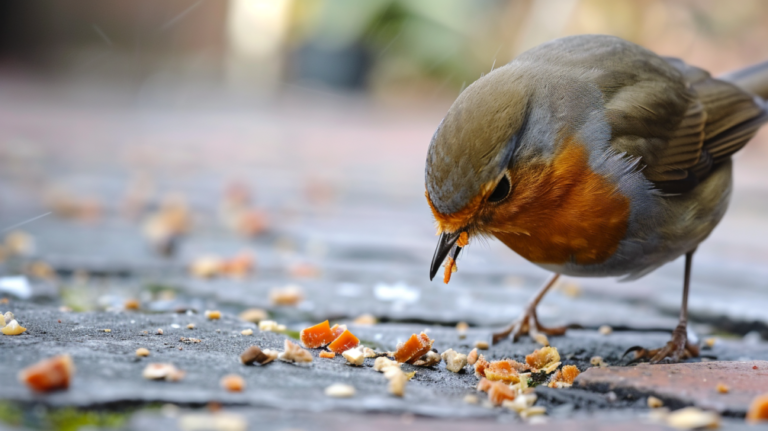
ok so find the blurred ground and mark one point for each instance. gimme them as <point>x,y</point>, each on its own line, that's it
<point>338,180</point>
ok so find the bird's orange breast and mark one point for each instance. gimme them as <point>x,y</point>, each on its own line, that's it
<point>562,210</point>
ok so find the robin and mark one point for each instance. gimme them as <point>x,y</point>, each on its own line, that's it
<point>591,156</point>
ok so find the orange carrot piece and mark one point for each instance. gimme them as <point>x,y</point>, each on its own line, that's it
<point>413,348</point>
<point>499,392</point>
<point>450,268</point>
<point>344,342</point>
<point>317,336</point>
<point>327,355</point>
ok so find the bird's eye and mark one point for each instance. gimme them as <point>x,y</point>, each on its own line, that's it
<point>501,191</point>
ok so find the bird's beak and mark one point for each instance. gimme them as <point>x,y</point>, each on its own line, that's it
<point>446,244</point>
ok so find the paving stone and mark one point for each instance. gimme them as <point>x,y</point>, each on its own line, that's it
<point>686,384</point>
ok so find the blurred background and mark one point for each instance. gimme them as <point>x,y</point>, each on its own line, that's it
<point>199,153</point>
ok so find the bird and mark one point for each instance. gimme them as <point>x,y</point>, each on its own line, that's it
<point>591,156</point>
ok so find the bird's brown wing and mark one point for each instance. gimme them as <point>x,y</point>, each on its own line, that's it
<point>681,130</point>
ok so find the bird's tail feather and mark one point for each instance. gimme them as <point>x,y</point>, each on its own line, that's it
<point>753,79</point>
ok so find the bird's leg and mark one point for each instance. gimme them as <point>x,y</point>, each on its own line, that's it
<point>529,324</point>
<point>678,347</point>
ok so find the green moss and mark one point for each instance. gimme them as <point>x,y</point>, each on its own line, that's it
<point>10,413</point>
<point>70,419</point>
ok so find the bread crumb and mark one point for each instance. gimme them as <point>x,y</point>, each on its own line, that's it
<point>338,390</point>
<point>366,320</point>
<point>107,330</point>
<point>382,363</point>
<point>232,383</point>
<point>471,399</point>
<point>430,359</point>
<point>722,388</point>
<point>212,314</point>
<point>294,353</point>
<point>255,354</point>
<point>454,361</point>
<point>247,332</point>
<point>286,296</point>
<point>254,315</point>
<point>161,371</point>
<point>692,417</point>
<point>482,345</point>
<point>13,328</point>
<point>598,361</point>
<point>397,380</point>
<point>472,356</point>
<point>544,359</point>
<point>270,326</point>
<point>368,352</point>
<point>605,330</point>
<point>354,356</point>
<point>462,328</point>
<point>159,331</point>
<point>654,402</point>
<point>191,326</point>
<point>142,352</point>
<point>49,374</point>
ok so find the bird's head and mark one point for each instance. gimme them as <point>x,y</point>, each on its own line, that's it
<point>468,177</point>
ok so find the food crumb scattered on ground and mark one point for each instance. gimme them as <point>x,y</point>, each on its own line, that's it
<point>343,342</point>
<point>339,390</point>
<point>472,356</point>
<point>107,330</point>
<point>254,315</point>
<point>758,409</point>
<point>382,363</point>
<point>368,352</point>
<point>294,353</point>
<point>564,377</point>
<point>212,314</point>
<point>316,336</point>
<point>49,374</point>
<point>692,418</point>
<point>354,356</point>
<point>462,328</point>
<point>13,328</point>
<point>132,304</point>
<point>454,361</point>
<point>233,383</point>
<point>605,330</point>
<point>722,388</point>
<point>326,355</point>
<point>286,296</point>
<point>430,359</point>
<point>654,402</point>
<point>710,342</point>
<point>247,331</point>
<point>482,345</point>
<point>546,359</point>
<point>191,326</point>
<point>142,352</point>
<point>397,380</point>
<point>159,331</point>
<point>365,319</point>
<point>598,361</point>
<point>255,354</point>
<point>162,371</point>
<point>471,399</point>
<point>414,348</point>
<point>270,326</point>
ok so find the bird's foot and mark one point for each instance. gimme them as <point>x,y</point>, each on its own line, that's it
<point>528,324</point>
<point>677,349</point>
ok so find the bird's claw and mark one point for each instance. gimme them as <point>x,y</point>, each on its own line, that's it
<point>676,349</point>
<point>528,324</point>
